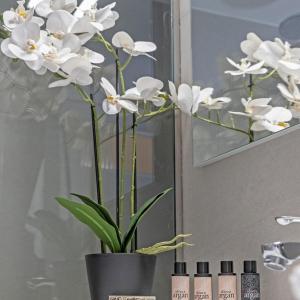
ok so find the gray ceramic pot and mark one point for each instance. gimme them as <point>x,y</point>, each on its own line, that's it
<point>120,274</point>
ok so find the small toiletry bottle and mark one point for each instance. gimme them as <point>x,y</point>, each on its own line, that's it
<point>203,282</point>
<point>180,282</point>
<point>250,289</point>
<point>227,282</point>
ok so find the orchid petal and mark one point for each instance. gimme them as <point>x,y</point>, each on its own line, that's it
<point>108,87</point>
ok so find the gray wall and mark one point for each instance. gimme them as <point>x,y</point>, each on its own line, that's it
<point>230,207</point>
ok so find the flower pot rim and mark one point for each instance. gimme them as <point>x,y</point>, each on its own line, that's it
<point>119,254</point>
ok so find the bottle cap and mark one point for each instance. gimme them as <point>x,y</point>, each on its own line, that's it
<point>226,267</point>
<point>180,268</point>
<point>250,266</point>
<point>202,267</point>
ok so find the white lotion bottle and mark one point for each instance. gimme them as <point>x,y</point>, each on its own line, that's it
<point>202,282</point>
<point>180,282</point>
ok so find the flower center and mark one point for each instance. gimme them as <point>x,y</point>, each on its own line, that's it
<point>31,46</point>
<point>244,64</point>
<point>58,35</point>
<point>91,14</point>
<point>22,12</point>
<point>51,54</point>
<point>282,124</point>
<point>111,100</point>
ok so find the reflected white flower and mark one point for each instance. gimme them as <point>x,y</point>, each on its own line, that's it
<point>25,44</point>
<point>12,18</point>
<point>204,98</point>
<point>95,19</point>
<point>147,89</point>
<point>250,45</point>
<point>76,70</point>
<point>292,94</point>
<point>254,108</point>
<point>281,57</point>
<point>45,7</point>
<point>123,40</point>
<point>245,67</point>
<point>275,120</point>
<point>113,103</point>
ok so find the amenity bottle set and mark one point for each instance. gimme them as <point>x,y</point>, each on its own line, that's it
<point>227,282</point>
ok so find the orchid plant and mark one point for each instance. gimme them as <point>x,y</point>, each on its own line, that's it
<point>51,36</point>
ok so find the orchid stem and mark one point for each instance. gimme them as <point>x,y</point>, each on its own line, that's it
<point>251,86</point>
<point>222,125</point>
<point>133,191</point>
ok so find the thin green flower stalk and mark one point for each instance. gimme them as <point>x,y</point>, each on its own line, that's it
<point>121,68</point>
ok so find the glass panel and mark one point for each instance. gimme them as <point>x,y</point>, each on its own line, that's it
<point>218,28</point>
<point>47,151</point>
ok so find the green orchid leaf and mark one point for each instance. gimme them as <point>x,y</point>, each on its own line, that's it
<point>87,215</point>
<point>102,212</point>
<point>139,216</point>
<point>156,250</point>
<point>173,241</point>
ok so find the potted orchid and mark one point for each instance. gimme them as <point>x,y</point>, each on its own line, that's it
<point>51,36</point>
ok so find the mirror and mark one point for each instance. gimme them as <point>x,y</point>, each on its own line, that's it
<point>218,28</point>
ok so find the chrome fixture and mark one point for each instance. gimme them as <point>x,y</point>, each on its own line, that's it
<point>287,220</point>
<point>279,255</point>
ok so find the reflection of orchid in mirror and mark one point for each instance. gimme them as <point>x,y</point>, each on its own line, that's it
<point>245,67</point>
<point>292,94</point>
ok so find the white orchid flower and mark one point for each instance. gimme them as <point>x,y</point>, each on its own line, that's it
<point>245,67</point>
<point>54,57</point>
<point>147,89</point>
<point>25,44</point>
<point>96,19</point>
<point>275,120</point>
<point>76,70</point>
<point>113,103</point>
<point>254,108</point>
<point>184,99</point>
<point>45,7</point>
<point>281,57</point>
<point>189,98</point>
<point>92,56</point>
<point>12,18</point>
<point>123,40</point>
<point>204,98</point>
<point>61,23</point>
<point>292,94</point>
<point>250,45</point>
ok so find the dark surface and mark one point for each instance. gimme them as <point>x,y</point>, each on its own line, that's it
<point>120,274</point>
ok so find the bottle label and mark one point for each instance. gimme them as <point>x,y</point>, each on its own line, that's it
<point>202,288</point>
<point>227,288</point>
<point>226,294</point>
<point>180,288</point>
<point>250,287</point>
<point>201,296</point>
